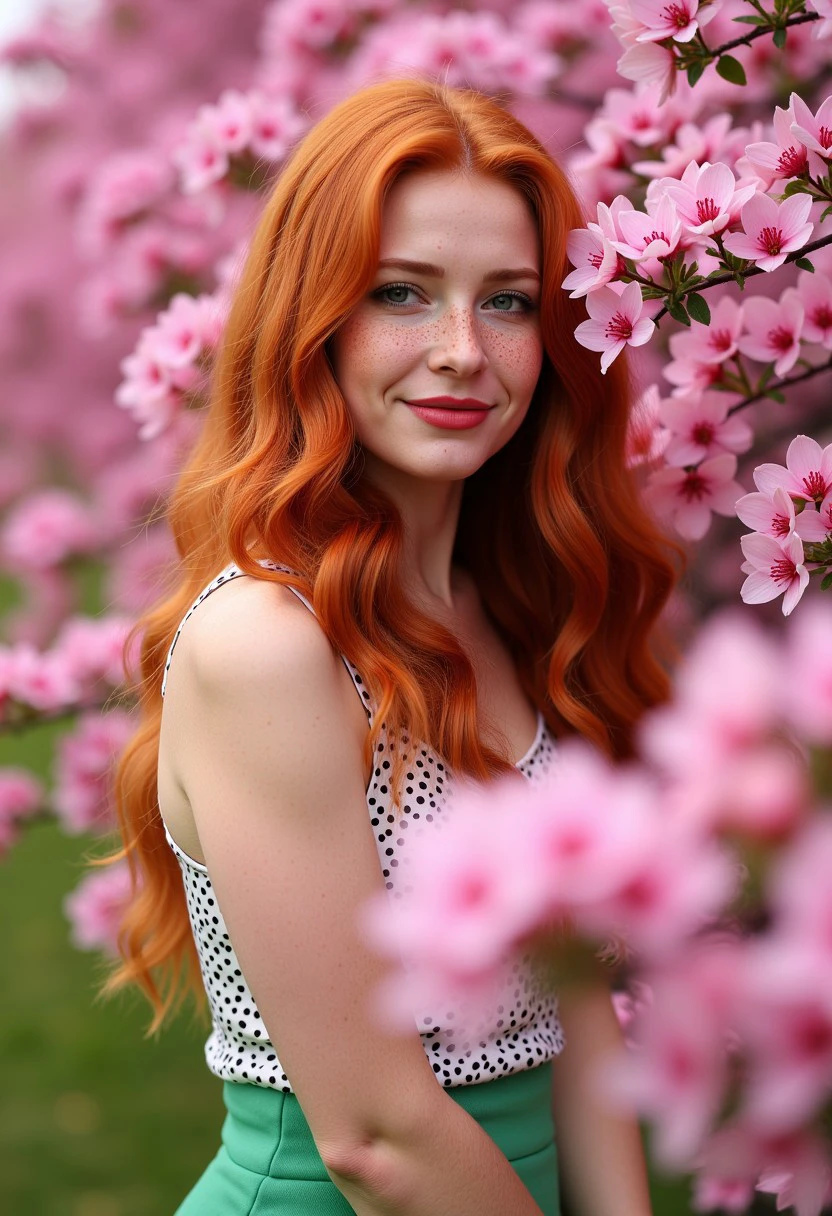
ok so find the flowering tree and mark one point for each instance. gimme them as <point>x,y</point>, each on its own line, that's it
<point>704,163</point>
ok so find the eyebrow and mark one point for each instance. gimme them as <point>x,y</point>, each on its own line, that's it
<point>437,272</point>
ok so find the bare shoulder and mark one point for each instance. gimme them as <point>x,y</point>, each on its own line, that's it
<point>253,634</point>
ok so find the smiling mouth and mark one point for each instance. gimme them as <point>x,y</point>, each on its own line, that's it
<point>450,403</point>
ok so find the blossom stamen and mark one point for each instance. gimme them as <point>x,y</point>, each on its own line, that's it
<point>619,327</point>
<point>706,209</point>
<point>770,240</point>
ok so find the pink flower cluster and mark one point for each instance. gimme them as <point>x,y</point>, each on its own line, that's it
<point>654,856</point>
<point>94,909</point>
<point>168,365</point>
<point>82,798</point>
<point>262,126</point>
<point>46,529</point>
<point>21,797</point>
<point>793,505</point>
<point>84,662</point>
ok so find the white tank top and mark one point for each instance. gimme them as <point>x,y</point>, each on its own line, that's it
<point>522,1032</point>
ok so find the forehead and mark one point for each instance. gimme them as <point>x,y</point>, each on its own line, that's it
<point>454,213</point>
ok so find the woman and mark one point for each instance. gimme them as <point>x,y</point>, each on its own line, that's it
<point>411,484</point>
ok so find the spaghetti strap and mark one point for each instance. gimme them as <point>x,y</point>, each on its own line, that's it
<point>227,575</point>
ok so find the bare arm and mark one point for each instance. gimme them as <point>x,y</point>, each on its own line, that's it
<point>269,736</point>
<point>600,1153</point>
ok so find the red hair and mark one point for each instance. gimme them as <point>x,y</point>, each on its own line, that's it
<point>570,568</point>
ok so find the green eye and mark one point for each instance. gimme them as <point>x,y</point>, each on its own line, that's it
<point>396,295</point>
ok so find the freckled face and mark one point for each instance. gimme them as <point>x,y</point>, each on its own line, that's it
<point>452,313</point>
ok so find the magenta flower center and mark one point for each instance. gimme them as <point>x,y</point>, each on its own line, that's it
<point>783,571</point>
<point>825,136</point>
<point>706,209</point>
<point>595,259</point>
<point>770,240</point>
<point>720,339</point>
<point>703,433</point>
<point>793,161</point>
<point>816,485</point>
<point>822,316</point>
<point>814,1035</point>
<point>781,525</point>
<point>676,14</point>
<point>472,892</point>
<point>694,487</point>
<point>656,236</point>
<point>619,327</point>
<point>780,338</point>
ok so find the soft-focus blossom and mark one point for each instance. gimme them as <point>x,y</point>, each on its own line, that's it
<point>646,437</point>
<point>702,427</point>
<point>21,796</point>
<point>93,649</point>
<point>699,351</point>
<point>814,291</point>
<point>773,330</point>
<point>43,681</point>
<point>809,659</point>
<point>615,322</point>
<point>771,231</point>
<point>691,142</point>
<point>777,569</point>
<point>651,64</point>
<point>46,529</point>
<point>724,1193</point>
<point>688,496</point>
<point>823,28</point>
<point>796,1167</point>
<point>83,771</point>
<point>95,907</point>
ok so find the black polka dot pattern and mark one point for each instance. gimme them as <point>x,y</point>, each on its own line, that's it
<point>521,1032</point>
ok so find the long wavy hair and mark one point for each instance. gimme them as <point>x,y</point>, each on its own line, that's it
<point>569,567</point>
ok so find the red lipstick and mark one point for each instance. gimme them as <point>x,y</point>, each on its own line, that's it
<point>450,413</point>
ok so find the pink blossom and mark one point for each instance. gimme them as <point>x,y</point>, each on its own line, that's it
<point>813,130</point>
<point>783,159</point>
<point>702,427</point>
<point>771,514</point>
<point>93,649</point>
<point>95,908</point>
<point>126,185</point>
<point>727,702</point>
<point>650,64</point>
<point>596,261</point>
<point>689,496</point>
<point>795,1167</point>
<point>807,473</point>
<point>83,771</point>
<point>708,197</point>
<point>229,120</point>
<point>147,391</point>
<point>655,235</point>
<point>771,231</point>
<point>676,1072</point>
<point>679,19</point>
<point>777,569</point>
<point>699,351</point>
<point>187,327</point>
<point>815,294</point>
<point>43,681</point>
<point>786,1025</point>
<point>201,159</point>
<point>275,125</point>
<point>691,143</point>
<point>615,322</point>
<point>646,437</point>
<point>823,29</point>
<point>773,330</point>
<point>46,529</point>
<point>21,796</point>
<point>809,688</point>
<point>635,116</point>
<point>725,1193</point>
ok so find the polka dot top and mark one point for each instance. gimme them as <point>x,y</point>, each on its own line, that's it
<point>521,1032</point>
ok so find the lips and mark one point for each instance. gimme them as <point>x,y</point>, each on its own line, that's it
<point>451,403</point>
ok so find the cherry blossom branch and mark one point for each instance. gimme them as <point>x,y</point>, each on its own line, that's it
<point>731,276</point>
<point>759,32</point>
<point>776,385</point>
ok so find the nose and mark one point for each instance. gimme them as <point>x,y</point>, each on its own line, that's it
<point>458,348</point>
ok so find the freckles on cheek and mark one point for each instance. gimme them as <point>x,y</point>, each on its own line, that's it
<point>520,355</point>
<point>369,343</point>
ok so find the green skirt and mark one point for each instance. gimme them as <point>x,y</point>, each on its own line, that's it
<point>268,1164</point>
